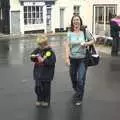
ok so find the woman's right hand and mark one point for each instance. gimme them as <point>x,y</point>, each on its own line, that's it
<point>67,61</point>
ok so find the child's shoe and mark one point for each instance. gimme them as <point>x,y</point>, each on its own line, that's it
<point>45,104</point>
<point>38,103</point>
<point>78,103</point>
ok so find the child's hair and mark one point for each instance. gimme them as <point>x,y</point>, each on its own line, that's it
<point>42,39</point>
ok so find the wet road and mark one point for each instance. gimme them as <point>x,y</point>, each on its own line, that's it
<point>17,98</point>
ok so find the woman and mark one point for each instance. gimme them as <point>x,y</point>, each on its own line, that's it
<point>75,48</point>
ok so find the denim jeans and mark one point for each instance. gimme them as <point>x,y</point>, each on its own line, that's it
<point>78,76</point>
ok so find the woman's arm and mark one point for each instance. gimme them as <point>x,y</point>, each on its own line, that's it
<point>90,39</point>
<point>91,42</point>
<point>67,52</point>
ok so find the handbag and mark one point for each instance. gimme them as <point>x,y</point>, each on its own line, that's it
<point>92,58</point>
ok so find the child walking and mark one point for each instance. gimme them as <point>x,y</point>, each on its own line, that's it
<point>44,60</point>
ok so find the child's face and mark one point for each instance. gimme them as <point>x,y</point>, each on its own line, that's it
<point>43,45</point>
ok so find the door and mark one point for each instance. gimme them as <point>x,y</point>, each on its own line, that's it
<point>15,22</point>
<point>62,18</point>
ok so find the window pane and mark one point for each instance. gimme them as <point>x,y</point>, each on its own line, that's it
<point>29,8</point>
<point>76,10</point>
<point>41,8</point>
<point>33,9</point>
<point>29,15</point>
<point>37,9</point>
<point>25,9</point>
<point>33,15</point>
<point>25,21</point>
<point>25,15</point>
<point>99,15</point>
<point>110,13</point>
<point>37,14</point>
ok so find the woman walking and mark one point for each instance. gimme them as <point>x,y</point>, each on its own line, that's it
<point>75,48</point>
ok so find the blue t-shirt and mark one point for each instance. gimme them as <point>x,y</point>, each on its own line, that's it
<point>76,50</point>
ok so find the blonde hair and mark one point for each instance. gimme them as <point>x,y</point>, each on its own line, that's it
<point>42,39</point>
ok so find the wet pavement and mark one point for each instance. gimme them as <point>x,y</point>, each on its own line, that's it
<point>17,98</point>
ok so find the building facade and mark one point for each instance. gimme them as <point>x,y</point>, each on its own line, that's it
<point>30,15</point>
<point>23,16</point>
<point>98,16</point>
<point>63,10</point>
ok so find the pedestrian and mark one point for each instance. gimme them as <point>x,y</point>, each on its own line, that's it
<point>115,34</point>
<point>44,60</point>
<point>75,52</point>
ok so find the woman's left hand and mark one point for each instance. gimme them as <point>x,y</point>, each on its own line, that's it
<point>84,44</point>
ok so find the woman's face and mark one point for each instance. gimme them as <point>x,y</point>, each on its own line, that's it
<point>76,21</point>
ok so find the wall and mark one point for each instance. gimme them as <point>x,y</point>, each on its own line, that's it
<point>14,5</point>
<point>68,12</point>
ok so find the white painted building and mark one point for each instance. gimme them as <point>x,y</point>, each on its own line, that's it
<point>62,12</point>
<point>95,14</point>
<point>55,15</point>
<point>30,15</point>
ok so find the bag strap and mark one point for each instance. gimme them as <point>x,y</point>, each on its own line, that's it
<point>91,47</point>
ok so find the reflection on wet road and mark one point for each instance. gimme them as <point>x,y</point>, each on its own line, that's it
<point>17,51</point>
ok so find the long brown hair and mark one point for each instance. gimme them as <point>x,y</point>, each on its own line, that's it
<point>72,26</point>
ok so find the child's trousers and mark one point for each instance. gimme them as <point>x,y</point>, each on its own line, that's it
<point>43,90</point>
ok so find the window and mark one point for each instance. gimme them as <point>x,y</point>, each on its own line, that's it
<point>110,13</point>
<point>76,10</point>
<point>99,15</point>
<point>104,13</point>
<point>33,14</point>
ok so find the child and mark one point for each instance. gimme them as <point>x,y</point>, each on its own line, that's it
<point>44,64</point>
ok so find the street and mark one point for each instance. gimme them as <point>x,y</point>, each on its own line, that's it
<point>17,98</point>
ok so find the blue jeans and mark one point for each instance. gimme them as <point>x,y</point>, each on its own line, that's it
<point>78,76</point>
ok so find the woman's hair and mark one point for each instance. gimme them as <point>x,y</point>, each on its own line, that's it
<point>81,22</point>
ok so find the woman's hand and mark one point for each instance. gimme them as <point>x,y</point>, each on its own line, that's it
<point>67,60</point>
<point>84,44</point>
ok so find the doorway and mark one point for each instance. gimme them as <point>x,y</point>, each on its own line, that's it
<point>62,19</point>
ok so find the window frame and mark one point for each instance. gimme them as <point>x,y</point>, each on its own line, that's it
<point>76,10</point>
<point>32,16</point>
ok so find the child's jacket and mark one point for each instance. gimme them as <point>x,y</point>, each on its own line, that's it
<point>44,71</point>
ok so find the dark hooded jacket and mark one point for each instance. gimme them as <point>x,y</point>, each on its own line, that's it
<point>44,71</point>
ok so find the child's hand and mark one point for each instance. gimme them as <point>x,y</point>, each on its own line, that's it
<point>40,59</point>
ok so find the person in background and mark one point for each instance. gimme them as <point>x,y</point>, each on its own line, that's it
<point>115,34</point>
<point>75,52</point>
<point>44,60</point>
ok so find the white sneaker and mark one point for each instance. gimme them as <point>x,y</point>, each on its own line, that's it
<point>78,103</point>
<point>37,104</point>
<point>45,104</point>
